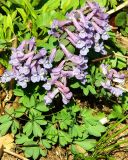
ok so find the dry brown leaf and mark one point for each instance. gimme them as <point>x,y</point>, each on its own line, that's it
<point>81,150</point>
<point>1,149</point>
<point>122,40</point>
<point>7,141</point>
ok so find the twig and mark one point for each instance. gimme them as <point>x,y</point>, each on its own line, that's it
<point>15,154</point>
<point>119,55</point>
<point>100,59</point>
<point>118,8</point>
<point>122,88</point>
<point>105,57</point>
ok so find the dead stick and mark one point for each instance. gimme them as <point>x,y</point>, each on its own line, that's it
<point>119,55</point>
<point>15,154</point>
<point>100,59</point>
<point>118,8</point>
<point>124,89</point>
<point>105,57</point>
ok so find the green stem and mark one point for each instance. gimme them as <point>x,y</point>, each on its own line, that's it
<point>118,8</point>
<point>114,135</point>
<point>110,129</point>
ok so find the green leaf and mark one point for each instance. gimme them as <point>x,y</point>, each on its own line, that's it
<point>64,138</point>
<point>46,143</point>
<point>43,152</point>
<point>51,133</point>
<point>29,151</point>
<point>64,41</point>
<point>5,118</point>
<point>75,108</point>
<point>75,85</point>
<point>50,5</point>
<point>77,131</point>
<point>113,3</point>
<point>91,89</point>
<point>87,144</point>
<point>32,101</point>
<point>126,29</point>
<point>42,107</point>
<point>36,152</point>
<point>20,139</point>
<point>28,128</point>
<point>28,102</point>
<point>20,111</point>
<point>22,13</point>
<point>93,69</point>
<point>4,127</point>
<point>18,92</point>
<point>102,2</point>
<point>70,48</point>
<point>37,130</point>
<point>64,118</point>
<point>59,55</point>
<point>120,19</point>
<point>86,91</point>
<point>96,130</point>
<point>66,5</point>
<point>88,117</point>
<point>15,126</point>
<point>117,112</point>
<point>8,23</point>
<point>121,63</point>
<point>30,8</point>
<point>40,120</point>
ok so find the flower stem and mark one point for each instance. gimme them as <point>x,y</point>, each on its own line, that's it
<point>118,8</point>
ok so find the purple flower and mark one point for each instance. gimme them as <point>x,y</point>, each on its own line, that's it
<point>105,36</point>
<point>47,86</point>
<point>52,55</point>
<point>76,59</point>
<point>71,41</point>
<point>66,52</point>
<point>83,34</point>
<point>104,69</point>
<point>14,62</point>
<point>82,17</point>
<point>20,54</point>
<point>23,82</point>
<point>112,77</point>
<point>90,15</point>
<point>26,56</point>
<point>24,70</point>
<point>116,91</point>
<point>35,78</point>
<point>28,61</point>
<point>107,84</point>
<point>21,46</point>
<point>76,23</point>
<point>99,22</point>
<point>6,77</point>
<point>72,35</point>
<point>97,37</point>
<point>97,28</point>
<point>50,95</point>
<point>42,73</point>
<point>80,44</point>
<point>84,51</point>
<point>31,43</point>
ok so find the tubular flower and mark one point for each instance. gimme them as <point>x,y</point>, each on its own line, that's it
<point>112,80</point>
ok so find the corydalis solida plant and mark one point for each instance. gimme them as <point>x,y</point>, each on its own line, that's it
<point>91,26</point>
<point>30,65</point>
